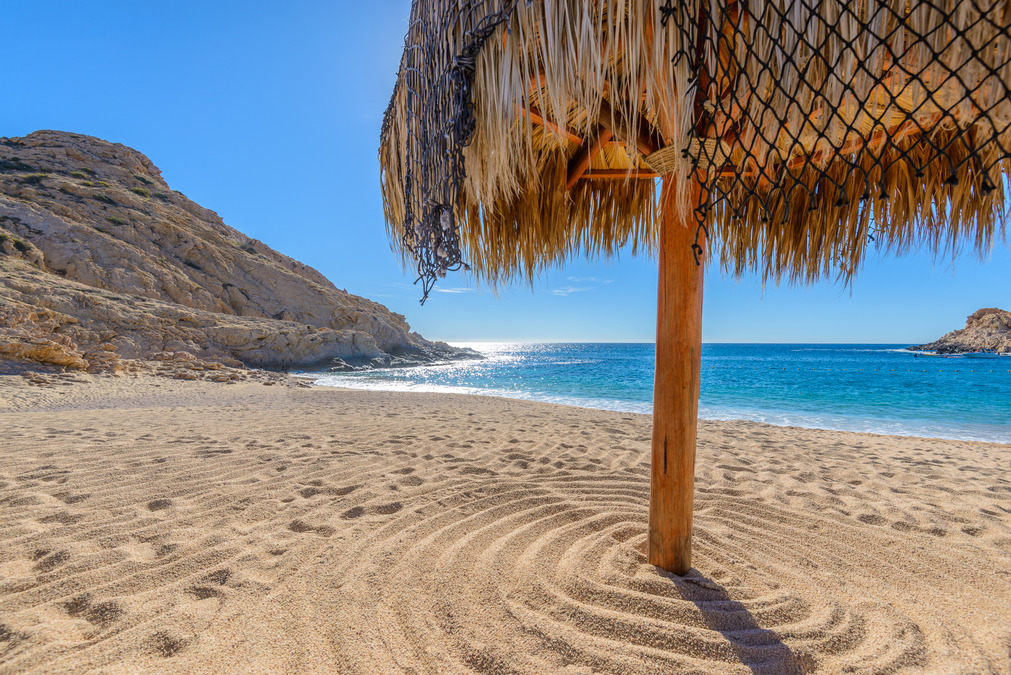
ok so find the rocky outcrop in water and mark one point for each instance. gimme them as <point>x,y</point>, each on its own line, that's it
<point>986,329</point>
<point>101,261</point>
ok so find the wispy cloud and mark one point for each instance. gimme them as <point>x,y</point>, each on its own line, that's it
<point>568,290</point>
<point>580,285</point>
<point>454,290</point>
<point>590,280</point>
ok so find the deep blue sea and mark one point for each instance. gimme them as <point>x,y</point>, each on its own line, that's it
<point>876,388</point>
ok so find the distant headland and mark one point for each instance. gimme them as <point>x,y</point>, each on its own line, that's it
<point>986,330</point>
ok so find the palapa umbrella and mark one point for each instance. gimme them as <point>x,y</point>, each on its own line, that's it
<point>788,136</point>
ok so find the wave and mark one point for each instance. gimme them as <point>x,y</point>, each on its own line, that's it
<point>352,382</point>
<point>878,350</point>
<point>893,427</point>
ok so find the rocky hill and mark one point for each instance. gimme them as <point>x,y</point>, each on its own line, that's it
<point>986,329</point>
<point>101,262</point>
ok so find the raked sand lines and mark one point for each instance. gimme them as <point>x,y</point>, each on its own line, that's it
<point>241,528</point>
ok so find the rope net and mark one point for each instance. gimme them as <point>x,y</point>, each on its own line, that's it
<point>816,127</point>
<point>436,76</point>
<point>819,123</point>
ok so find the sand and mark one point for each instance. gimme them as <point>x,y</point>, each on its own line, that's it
<point>152,525</point>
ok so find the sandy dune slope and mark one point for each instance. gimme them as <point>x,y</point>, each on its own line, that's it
<point>155,525</point>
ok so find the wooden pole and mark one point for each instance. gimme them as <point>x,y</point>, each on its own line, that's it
<point>675,387</point>
<point>580,162</point>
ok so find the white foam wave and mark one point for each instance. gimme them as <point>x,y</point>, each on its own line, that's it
<point>993,434</point>
<point>918,429</point>
<point>376,384</point>
<point>876,350</point>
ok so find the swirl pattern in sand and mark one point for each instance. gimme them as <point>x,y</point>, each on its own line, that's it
<point>252,529</point>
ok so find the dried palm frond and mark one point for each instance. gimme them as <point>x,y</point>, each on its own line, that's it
<point>818,128</point>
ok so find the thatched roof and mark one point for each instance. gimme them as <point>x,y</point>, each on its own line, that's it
<point>521,133</point>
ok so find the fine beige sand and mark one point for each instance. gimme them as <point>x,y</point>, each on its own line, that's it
<point>152,525</point>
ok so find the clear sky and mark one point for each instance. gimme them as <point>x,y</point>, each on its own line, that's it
<point>269,114</point>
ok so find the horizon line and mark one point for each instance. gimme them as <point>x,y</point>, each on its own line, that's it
<point>650,342</point>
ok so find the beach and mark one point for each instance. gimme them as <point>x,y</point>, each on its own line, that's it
<point>159,525</point>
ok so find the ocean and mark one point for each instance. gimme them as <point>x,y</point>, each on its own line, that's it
<point>881,389</point>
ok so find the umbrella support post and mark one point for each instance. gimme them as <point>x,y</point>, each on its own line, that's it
<point>675,388</point>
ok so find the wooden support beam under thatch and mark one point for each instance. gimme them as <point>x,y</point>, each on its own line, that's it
<point>823,157</point>
<point>537,118</point>
<point>644,138</point>
<point>895,134</point>
<point>581,161</point>
<point>618,174</point>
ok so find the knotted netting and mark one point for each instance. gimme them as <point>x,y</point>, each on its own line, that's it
<point>436,76</point>
<point>817,129</point>
<point>821,123</point>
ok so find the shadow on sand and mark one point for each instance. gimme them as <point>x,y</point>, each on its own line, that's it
<point>757,648</point>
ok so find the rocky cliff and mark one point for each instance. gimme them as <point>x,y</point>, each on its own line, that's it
<point>986,329</point>
<point>101,261</point>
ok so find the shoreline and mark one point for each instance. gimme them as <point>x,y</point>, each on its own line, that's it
<point>181,389</point>
<point>639,408</point>
<point>45,376</point>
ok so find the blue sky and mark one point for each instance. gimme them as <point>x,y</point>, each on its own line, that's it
<point>269,114</point>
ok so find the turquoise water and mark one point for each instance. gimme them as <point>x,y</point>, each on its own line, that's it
<point>875,388</point>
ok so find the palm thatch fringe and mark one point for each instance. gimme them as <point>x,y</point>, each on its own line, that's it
<point>820,129</point>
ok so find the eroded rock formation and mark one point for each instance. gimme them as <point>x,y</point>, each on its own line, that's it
<point>986,329</point>
<point>101,261</point>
